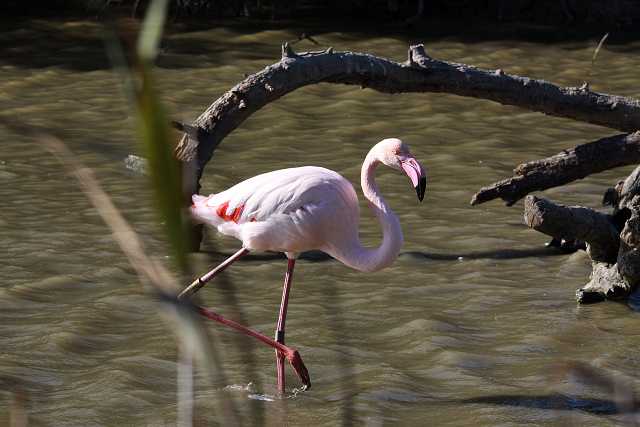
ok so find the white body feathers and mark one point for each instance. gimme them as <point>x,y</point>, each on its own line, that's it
<point>305,208</point>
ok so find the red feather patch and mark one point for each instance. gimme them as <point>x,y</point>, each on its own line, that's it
<point>221,211</point>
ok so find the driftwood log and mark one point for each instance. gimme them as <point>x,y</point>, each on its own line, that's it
<point>613,240</point>
<point>612,254</point>
<point>597,230</point>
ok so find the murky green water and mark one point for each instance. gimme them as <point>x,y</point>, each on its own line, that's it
<point>465,329</point>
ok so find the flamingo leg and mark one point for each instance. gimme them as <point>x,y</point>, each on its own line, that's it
<point>202,280</point>
<point>289,353</point>
<point>282,350</point>
<point>282,317</point>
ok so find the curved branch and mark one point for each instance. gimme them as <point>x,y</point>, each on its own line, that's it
<point>420,73</point>
<point>564,167</point>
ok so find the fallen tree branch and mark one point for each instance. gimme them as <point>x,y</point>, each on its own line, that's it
<point>574,222</point>
<point>601,236</point>
<point>613,241</point>
<point>420,73</point>
<point>564,167</point>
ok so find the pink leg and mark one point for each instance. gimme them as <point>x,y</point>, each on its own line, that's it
<point>282,317</point>
<point>289,353</point>
<point>200,281</point>
<point>282,350</point>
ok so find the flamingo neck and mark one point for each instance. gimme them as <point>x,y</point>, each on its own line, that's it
<point>373,259</point>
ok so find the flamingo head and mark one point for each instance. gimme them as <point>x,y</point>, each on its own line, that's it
<point>395,154</point>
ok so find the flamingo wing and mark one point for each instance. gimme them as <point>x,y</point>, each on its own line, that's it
<point>286,210</point>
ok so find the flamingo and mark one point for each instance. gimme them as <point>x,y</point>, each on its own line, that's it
<point>300,209</point>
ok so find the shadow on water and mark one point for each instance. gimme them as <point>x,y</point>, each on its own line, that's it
<point>491,254</point>
<point>553,401</point>
<point>318,256</point>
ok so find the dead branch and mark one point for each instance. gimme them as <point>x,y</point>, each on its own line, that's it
<point>420,73</point>
<point>564,167</point>
<point>615,256</point>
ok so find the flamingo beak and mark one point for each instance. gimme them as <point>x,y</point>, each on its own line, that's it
<point>416,174</point>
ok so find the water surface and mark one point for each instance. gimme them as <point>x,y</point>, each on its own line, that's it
<point>465,328</point>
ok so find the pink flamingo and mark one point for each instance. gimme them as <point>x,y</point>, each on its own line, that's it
<point>300,209</point>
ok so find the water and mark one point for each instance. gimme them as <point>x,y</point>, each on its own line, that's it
<point>467,327</point>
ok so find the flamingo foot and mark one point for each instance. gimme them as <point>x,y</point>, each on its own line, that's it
<point>295,360</point>
<point>292,355</point>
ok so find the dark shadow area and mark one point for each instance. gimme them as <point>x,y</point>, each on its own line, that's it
<point>318,256</point>
<point>40,44</point>
<point>493,254</point>
<point>447,16</point>
<point>633,302</point>
<point>76,42</point>
<point>551,402</point>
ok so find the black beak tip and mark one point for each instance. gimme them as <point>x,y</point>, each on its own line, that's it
<point>421,187</point>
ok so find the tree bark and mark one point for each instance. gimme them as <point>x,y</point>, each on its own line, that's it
<point>602,238</point>
<point>564,167</point>
<point>629,255</point>
<point>614,246</point>
<point>574,223</point>
<point>605,283</point>
<point>420,73</point>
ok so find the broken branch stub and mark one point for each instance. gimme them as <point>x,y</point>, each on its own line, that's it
<point>605,283</point>
<point>574,222</point>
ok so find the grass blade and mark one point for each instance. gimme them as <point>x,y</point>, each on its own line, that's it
<point>163,167</point>
<point>152,27</point>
